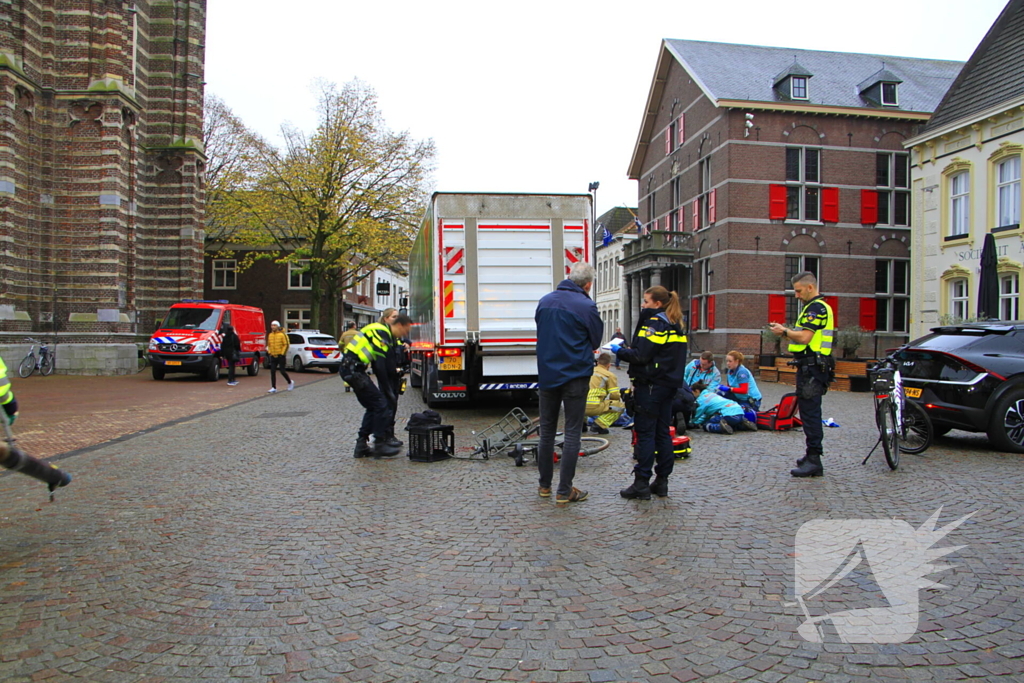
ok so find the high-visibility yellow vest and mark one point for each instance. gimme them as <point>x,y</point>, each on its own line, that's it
<point>6,395</point>
<point>373,341</point>
<point>821,342</point>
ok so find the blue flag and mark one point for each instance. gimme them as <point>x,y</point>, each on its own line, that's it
<point>606,237</point>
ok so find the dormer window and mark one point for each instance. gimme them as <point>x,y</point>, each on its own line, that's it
<point>881,89</point>
<point>889,95</point>
<point>798,87</point>
<point>791,84</point>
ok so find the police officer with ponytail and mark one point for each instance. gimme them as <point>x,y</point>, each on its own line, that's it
<point>810,342</point>
<point>657,360</point>
<point>372,346</point>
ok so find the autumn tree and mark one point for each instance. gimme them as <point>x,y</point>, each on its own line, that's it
<point>345,198</point>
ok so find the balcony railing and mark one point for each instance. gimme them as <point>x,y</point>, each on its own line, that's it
<point>676,246</point>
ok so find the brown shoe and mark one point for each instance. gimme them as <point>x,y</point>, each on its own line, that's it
<point>544,492</point>
<point>574,496</point>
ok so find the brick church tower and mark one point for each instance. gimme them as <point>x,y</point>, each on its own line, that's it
<point>101,165</point>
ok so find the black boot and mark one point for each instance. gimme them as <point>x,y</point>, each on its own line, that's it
<point>381,449</point>
<point>811,467</point>
<point>801,461</point>
<point>362,448</point>
<point>639,489</point>
<point>659,486</point>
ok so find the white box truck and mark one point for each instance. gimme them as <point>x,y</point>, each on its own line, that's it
<point>479,265</point>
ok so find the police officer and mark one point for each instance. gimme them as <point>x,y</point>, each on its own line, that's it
<point>656,360</point>
<point>7,400</point>
<point>810,341</point>
<point>372,345</point>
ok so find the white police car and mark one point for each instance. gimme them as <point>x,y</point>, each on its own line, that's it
<point>311,349</point>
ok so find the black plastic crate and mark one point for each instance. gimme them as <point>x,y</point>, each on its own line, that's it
<point>430,444</point>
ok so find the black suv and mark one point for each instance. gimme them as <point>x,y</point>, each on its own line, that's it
<point>970,376</point>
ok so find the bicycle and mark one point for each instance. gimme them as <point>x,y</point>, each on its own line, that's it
<point>902,425</point>
<point>43,362</point>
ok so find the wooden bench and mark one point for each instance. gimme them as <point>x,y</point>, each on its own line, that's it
<point>783,373</point>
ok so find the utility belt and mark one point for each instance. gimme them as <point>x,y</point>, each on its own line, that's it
<point>827,364</point>
<point>351,365</point>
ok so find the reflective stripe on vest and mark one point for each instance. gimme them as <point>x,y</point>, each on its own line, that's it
<point>373,341</point>
<point>667,337</point>
<point>821,342</point>
<point>6,395</point>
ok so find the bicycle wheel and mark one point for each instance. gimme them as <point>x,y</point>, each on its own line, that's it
<point>886,419</point>
<point>46,366</point>
<point>917,429</point>
<point>28,366</point>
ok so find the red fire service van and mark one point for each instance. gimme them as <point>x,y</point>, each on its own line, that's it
<point>188,339</point>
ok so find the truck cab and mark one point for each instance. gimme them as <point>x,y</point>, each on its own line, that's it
<point>188,338</point>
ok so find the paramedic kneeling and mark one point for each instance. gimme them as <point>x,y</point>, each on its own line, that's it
<point>810,341</point>
<point>372,345</point>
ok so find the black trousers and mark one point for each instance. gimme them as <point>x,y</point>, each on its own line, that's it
<point>278,363</point>
<point>377,418</point>
<point>811,385</point>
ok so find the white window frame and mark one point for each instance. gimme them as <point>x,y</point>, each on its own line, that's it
<point>1009,296</point>
<point>297,315</point>
<point>960,204</point>
<point>222,268</point>
<point>704,195</point>
<point>895,92</point>
<point>890,295</point>
<point>303,278</point>
<point>959,299</point>
<point>803,188</point>
<point>889,191</point>
<point>1008,193</point>
<point>795,83</point>
<point>802,264</point>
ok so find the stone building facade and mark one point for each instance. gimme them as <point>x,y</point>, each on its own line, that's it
<point>756,163</point>
<point>966,176</point>
<point>101,166</point>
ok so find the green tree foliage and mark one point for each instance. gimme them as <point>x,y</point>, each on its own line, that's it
<point>344,199</point>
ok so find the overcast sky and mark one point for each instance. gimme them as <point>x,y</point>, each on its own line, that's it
<point>531,96</point>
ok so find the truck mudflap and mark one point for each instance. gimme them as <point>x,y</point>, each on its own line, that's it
<point>508,386</point>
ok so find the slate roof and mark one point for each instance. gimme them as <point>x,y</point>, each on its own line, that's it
<point>747,72</point>
<point>993,74</point>
<point>617,220</point>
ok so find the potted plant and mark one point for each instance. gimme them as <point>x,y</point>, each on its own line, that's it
<point>849,339</point>
<point>770,349</point>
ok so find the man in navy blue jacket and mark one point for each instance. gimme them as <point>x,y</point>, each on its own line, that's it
<point>568,330</point>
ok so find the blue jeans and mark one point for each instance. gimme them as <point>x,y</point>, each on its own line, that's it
<point>731,420</point>
<point>651,422</point>
<point>573,396</point>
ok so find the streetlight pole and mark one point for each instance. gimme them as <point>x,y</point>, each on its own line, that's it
<point>593,214</point>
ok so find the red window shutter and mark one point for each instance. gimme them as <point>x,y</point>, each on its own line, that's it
<point>868,207</point>
<point>711,312</point>
<point>777,202</point>
<point>777,308</point>
<point>833,303</point>
<point>680,135</point>
<point>696,215</point>
<point>666,228</point>
<point>711,206</point>
<point>668,140</point>
<point>694,314</point>
<point>830,204</point>
<point>868,314</point>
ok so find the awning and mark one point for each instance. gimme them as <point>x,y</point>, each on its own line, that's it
<point>360,307</point>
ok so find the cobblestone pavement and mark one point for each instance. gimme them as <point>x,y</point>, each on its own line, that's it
<point>63,413</point>
<point>248,544</point>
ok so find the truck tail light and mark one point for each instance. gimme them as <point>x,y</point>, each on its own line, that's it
<point>444,353</point>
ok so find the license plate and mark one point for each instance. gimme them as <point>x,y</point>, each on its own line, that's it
<point>913,392</point>
<point>451,363</point>
<point>173,362</point>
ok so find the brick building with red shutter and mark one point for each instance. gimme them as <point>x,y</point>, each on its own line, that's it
<point>755,163</point>
<point>101,170</point>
